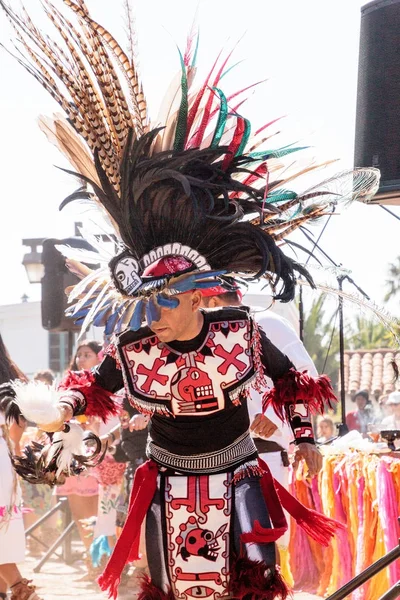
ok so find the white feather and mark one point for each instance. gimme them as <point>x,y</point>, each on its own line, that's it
<point>80,254</point>
<point>71,443</point>
<point>37,401</point>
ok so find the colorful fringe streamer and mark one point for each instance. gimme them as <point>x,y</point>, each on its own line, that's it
<point>362,491</point>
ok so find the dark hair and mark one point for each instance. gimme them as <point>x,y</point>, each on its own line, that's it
<point>8,368</point>
<point>92,344</point>
<point>229,298</point>
<point>363,393</point>
<point>46,375</point>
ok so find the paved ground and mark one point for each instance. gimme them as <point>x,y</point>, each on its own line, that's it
<point>58,581</point>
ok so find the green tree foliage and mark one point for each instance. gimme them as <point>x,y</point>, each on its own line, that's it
<point>393,281</point>
<point>368,334</point>
<point>321,338</point>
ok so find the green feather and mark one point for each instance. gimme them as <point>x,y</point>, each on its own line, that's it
<point>230,69</point>
<point>266,154</point>
<point>281,196</point>
<point>222,117</point>
<point>195,51</point>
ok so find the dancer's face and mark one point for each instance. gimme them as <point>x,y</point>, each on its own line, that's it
<point>86,358</point>
<point>180,323</point>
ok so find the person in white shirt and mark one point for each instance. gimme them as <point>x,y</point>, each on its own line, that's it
<point>272,437</point>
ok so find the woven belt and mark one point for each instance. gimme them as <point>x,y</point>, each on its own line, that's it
<point>242,449</point>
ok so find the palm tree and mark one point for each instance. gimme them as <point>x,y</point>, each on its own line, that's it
<point>369,334</point>
<point>393,283</point>
<point>321,339</point>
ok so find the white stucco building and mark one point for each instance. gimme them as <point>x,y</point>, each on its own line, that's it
<point>32,347</point>
<point>23,334</point>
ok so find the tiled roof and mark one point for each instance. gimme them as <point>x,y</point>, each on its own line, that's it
<point>370,370</point>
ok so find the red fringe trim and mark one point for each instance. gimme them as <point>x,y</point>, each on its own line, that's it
<point>109,583</point>
<point>319,527</point>
<point>99,402</point>
<point>260,382</point>
<point>248,582</point>
<point>111,350</point>
<point>247,471</point>
<point>296,386</point>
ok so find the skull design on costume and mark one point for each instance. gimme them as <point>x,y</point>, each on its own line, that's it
<point>201,542</point>
<point>194,389</point>
<point>125,273</point>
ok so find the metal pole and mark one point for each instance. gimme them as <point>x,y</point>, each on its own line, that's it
<point>393,593</point>
<point>301,314</point>
<point>343,429</point>
<point>37,523</point>
<point>54,547</point>
<point>369,572</point>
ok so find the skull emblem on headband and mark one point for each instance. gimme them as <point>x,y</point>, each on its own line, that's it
<point>125,273</point>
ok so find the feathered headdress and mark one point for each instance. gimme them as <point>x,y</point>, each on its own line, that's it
<point>195,197</point>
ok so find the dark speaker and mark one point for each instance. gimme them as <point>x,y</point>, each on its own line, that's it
<point>54,283</point>
<point>377,141</point>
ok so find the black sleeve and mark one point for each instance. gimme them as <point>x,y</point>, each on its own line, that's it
<point>276,367</point>
<point>108,375</point>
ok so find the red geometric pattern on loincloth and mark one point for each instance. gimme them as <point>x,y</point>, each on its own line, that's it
<point>198,512</point>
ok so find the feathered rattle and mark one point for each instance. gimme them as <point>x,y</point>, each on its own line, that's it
<point>66,453</point>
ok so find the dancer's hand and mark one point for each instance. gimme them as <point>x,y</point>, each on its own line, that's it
<point>312,456</point>
<point>138,422</point>
<point>262,426</point>
<point>66,413</point>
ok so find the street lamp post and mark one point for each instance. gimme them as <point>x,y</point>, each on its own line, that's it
<point>32,260</point>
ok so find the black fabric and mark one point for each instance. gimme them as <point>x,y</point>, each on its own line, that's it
<point>193,435</point>
<point>108,376</point>
<point>155,550</point>
<point>249,506</point>
<point>133,443</point>
<point>266,446</point>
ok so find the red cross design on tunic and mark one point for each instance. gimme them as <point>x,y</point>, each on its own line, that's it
<point>152,375</point>
<point>230,358</point>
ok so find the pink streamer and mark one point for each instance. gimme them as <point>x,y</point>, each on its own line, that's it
<point>386,496</point>
<point>360,593</point>
<point>342,535</point>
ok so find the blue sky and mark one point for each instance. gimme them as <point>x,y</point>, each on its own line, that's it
<point>307,50</point>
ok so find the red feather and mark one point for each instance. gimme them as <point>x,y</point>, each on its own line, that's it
<point>248,581</point>
<point>235,142</point>
<point>99,402</point>
<point>207,110</point>
<point>195,106</point>
<point>256,174</point>
<point>316,393</point>
<point>149,591</point>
